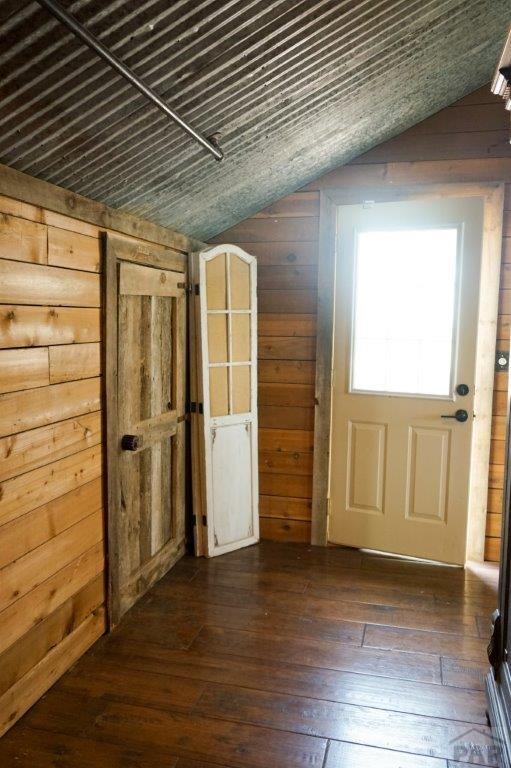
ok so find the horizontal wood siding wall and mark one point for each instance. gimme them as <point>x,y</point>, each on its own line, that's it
<point>284,238</point>
<point>466,142</point>
<point>51,511</point>
<point>52,594</point>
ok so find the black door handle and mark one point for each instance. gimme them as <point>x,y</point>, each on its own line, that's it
<point>130,442</point>
<point>460,415</point>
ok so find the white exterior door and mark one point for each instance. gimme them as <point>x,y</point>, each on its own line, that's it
<point>406,321</point>
<point>226,317</point>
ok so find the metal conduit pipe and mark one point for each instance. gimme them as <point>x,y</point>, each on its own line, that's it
<point>80,31</point>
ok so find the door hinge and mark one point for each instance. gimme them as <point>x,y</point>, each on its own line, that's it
<point>194,520</point>
<point>189,288</point>
<point>193,407</point>
<point>204,520</point>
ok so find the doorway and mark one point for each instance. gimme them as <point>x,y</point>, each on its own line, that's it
<point>411,359</point>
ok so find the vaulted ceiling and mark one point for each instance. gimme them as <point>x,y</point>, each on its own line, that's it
<point>294,87</point>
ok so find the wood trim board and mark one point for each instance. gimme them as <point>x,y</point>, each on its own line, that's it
<point>28,189</point>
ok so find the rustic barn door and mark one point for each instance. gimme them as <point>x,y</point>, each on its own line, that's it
<point>145,383</point>
<point>224,400</point>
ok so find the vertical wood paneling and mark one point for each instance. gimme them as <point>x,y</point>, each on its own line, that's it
<point>458,144</point>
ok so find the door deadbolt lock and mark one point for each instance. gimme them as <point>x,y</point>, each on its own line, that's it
<point>459,415</point>
<point>462,389</point>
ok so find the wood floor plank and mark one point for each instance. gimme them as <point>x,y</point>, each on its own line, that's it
<point>30,747</point>
<point>175,629</point>
<point>429,699</point>
<point>186,762</point>
<point>181,734</point>
<point>197,591</point>
<point>283,582</point>
<point>275,655</point>
<point>416,641</point>
<point>408,568</point>
<point>190,617</point>
<point>374,595</point>
<point>344,755</point>
<point>95,678</point>
<point>319,653</point>
<point>386,615</point>
<point>464,673</point>
<point>429,736</point>
<point>423,585</point>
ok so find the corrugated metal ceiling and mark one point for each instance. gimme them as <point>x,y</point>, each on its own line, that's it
<point>295,88</point>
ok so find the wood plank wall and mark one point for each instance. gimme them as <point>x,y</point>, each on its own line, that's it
<point>52,596</point>
<point>51,518</point>
<point>467,141</point>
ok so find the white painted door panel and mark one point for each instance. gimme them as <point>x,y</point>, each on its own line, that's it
<point>231,470</point>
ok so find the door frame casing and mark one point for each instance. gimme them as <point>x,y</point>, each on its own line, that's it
<point>330,199</point>
<point>116,250</point>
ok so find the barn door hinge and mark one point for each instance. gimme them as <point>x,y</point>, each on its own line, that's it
<point>193,407</point>
<point>204,520</point>
<point>189,288</point>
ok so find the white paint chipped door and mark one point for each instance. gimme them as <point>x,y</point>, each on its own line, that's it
<point>406,321</point>
<point>227,342</point>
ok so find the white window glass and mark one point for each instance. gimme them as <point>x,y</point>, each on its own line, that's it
<point>404,311</point>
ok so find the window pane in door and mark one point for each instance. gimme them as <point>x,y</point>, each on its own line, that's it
<point>217,338</point>
<point>404,311</point>
<point>240,338</point>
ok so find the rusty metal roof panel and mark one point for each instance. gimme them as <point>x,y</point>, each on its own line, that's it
<point>294,87</point>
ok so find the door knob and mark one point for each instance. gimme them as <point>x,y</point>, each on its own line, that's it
<point>130,442</point>
<point>459,415</point>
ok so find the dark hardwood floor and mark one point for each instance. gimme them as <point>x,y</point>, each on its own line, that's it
<point>279,656</point>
